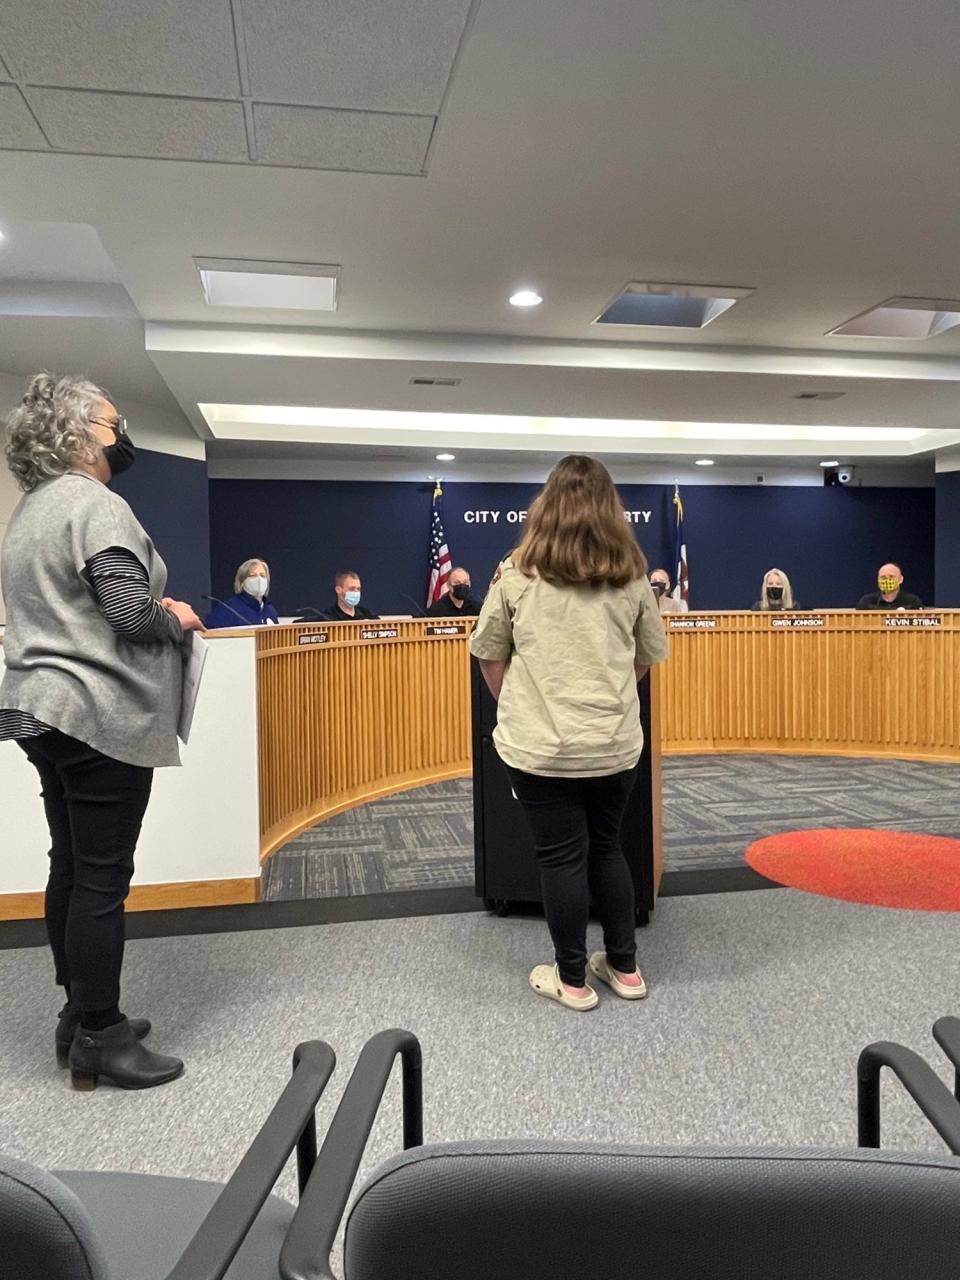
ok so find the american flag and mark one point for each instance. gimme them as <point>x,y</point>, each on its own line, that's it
<point>440,565</point>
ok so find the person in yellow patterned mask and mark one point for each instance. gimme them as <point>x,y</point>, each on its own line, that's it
<point>889,593</point>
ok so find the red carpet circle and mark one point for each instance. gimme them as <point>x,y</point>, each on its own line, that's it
<point>879,868</point>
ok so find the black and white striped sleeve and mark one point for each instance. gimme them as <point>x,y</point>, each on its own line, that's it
<point>122,590</point>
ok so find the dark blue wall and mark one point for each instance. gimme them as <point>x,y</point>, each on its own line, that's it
<point>948,539</point>
<point>829,540</point>
<point>170,498</point>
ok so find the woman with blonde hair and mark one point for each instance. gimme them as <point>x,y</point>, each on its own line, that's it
<point>569,628</point>
<point>249,605</point>
<point>776,592</point>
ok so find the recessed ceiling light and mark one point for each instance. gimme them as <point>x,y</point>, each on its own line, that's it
<point>671,306</point>
<point>704,462</point>
<point>902,318</point>
<point>446,457</point>
<point>831,463</point>
<point>2,236</point>
<point>287,286</point>
<point>525,298</point>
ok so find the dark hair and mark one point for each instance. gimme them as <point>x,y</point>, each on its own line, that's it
<point>577,529</point>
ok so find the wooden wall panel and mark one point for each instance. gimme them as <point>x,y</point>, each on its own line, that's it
<point>344,721</point>
<point>855,685</point>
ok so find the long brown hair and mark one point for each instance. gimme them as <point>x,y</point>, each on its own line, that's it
<point>577,531</point>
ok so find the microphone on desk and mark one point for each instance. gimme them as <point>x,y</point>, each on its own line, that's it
<point>306,608</point>
<point>236,612</point>
<point>421,611</point>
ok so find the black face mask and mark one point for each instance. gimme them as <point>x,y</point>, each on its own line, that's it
<point>775,593</point>
<point>658,588</point>
<point>461,591</point>
<point>120,456</point>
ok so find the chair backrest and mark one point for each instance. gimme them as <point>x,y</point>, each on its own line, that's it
<point>564,1211</point>
<point>45,1233</point>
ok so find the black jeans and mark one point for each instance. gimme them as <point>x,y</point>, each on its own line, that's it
<point>94,807</point>
<point>576,830</point>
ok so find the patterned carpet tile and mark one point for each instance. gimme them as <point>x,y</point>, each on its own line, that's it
<point>713,806</point>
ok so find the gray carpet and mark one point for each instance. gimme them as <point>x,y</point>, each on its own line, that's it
<point>759,1005</point>
<point>713,807</point>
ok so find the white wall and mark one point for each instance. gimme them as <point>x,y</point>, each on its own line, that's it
<point>203,819</point>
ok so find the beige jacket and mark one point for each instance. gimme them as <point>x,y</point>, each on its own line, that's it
<point>569,703</point>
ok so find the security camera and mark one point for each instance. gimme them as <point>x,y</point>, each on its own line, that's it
<point>845,475</point>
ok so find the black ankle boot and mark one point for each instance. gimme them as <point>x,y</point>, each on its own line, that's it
<point>116,1054</point>
<point>70,1020</point>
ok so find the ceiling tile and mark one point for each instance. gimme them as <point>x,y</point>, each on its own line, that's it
<point>353,53</point>
<point>177,46</point>
<point>18,129</point>
<point>112,124</point>
<point>357,141</point>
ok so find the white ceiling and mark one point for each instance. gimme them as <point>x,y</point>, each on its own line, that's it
<point>809,153</point>
<point>334,86</point>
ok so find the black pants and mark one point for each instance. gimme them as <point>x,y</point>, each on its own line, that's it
<point>94,808</point>
<point>576,830</point>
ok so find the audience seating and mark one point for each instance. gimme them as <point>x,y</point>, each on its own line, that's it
<point>530,1210</point>
<point>123,1226</point>
<point>514,1210</point>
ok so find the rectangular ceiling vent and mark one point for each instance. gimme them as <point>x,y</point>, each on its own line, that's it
<point>435,382</point>
<point>284,286</point>
<point>820,395</point>
<point>916,318</point>
<point>671,306</point>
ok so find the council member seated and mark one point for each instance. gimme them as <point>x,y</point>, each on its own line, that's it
<point>456,602</point>
<point>347,606</point>
<point>776,594</point>
<point>889,594</point>
<point>249,607</point>
<point>660,581</point>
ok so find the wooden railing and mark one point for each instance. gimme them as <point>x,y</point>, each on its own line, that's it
<point>354,716</point>
<point>834,683</point>
<point>352,711</point>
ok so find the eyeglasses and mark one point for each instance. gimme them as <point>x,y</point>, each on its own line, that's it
<point>119,428</point>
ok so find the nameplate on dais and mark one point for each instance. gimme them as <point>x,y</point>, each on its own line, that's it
<point>454,629</point>
<point>379,633</point>
<point>802,620</point>
<point>692,624</point>
<point>914,620</point>
<point>313,637</point>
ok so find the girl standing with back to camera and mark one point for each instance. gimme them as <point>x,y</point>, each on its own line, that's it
<point>569,628</point>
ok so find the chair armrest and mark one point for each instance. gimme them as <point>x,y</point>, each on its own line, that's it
<point>919,1079</point>
<point>946,1032</point>
<point>306,1251</point>
<point>290,1124</point>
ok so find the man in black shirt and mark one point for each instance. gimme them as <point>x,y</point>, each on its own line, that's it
<point>456,602</point>
<point>347,606</point>
<point>889,594</point>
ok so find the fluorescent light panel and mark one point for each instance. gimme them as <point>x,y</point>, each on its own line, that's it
<point>671,306</point>
<point>221,418</point>
<point>915,318</point>
<point>286,286</point>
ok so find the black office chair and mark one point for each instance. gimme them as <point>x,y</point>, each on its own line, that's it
<point>586,1211</point>
<point>124,1226</point>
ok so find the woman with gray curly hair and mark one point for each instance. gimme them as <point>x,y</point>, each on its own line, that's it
<point>91,694</point>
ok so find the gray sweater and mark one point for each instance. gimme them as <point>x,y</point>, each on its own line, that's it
<point>65,665</point>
